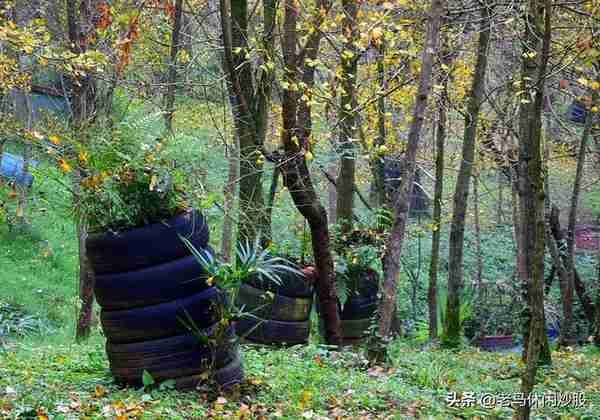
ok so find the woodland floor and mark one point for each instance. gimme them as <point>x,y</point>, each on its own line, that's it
<point>52,381</point>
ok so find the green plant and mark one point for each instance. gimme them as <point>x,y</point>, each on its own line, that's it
<point>15,322</point>
<point>356,252</point>
<point>123,179</point>
<point>251,260</point>
<point>465,310</point>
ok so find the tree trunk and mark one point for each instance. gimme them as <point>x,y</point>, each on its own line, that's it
<point>267,237</point>
<point>229,201</point>
<point>478,250</point>
<point>597,326</point>
<point>452,329</point>
<point>347,118</point>
<point>402,202</point>
<point>86,289</point>
<point>250,113</point>
<point>582,294</point>
<point>297,126</point>
<point>24,112</point>
<point>537,15</point>
<point>500,203</point>
<point>80,29</point>
<point>377,165</point>
<point>567,333</point>
<point>437,211</point>
<point>332,193</point>
<point>172,74</point>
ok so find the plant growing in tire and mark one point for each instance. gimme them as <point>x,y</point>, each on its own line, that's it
<point>133,202</point>
<point>358,256</point>
<point>258,286</point>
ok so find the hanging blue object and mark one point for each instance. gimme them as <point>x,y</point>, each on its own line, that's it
<point>11,167</point>
<point>577,112</point>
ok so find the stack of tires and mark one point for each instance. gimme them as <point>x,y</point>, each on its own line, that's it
<point>358,312</point>
<point>277,314</point>
<point>151,290</point>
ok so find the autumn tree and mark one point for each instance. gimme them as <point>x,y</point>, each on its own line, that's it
<point>299,79</point>
<point>250,89</point>
<point>536,50</point>
<point>452,328</point>
<point>347,116</point>
<point>393,249</point>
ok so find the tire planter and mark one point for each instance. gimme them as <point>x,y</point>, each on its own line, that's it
<point>282,320</point>
<point>359,309</point>
<point>148,246</point>
<point>150,290</point>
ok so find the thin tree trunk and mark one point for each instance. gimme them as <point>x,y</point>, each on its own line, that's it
<point>500,203</point>
<point>567,333</point>
<point>347,117</point>
<point>582,294</point>
<point>377,165</point>
<point>80,28</point>
<point>86,289</point>
<point>537,15</point>
<point>395,242</point>
<point>332,193</point>
<point>452,327</point>
<point>478,250</point>
<point>268,234</point>
<point>252,93</point>
<point>172,74</point>
<point>597,326</point>
<point>229,201</point>
<point>437,212</point>
<point>297,126</point>
<point>24,113</point>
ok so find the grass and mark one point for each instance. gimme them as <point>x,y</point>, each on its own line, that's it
<point>73,381</point>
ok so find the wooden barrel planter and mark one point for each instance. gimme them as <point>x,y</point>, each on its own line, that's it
<point>496,342</point>
<point>150,290</point>
<point>282,320</point>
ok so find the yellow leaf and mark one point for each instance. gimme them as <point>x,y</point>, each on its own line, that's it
<point>100,391</point>
<point>64,165</point>
<point>308,155</point>
<point>54,139</point>
<point>83,157</point>
<point>153,182</point>
<point>376,33</point>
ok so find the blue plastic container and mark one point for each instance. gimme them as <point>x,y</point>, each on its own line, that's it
<point>577,112</point>
<point>11,167</point>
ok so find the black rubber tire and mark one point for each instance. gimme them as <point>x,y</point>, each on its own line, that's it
<point>167,358</point>
<point>163,320</point>
<point>355,328</point>
<point>357,307</point>
<point>280,308</point>
<point>292,285</point>
<point>352,331</point>
<point>266,331</point>
<point>150,245</point>
<point>230,374</point>
<point>367,285</point>
<point>151,286</point>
